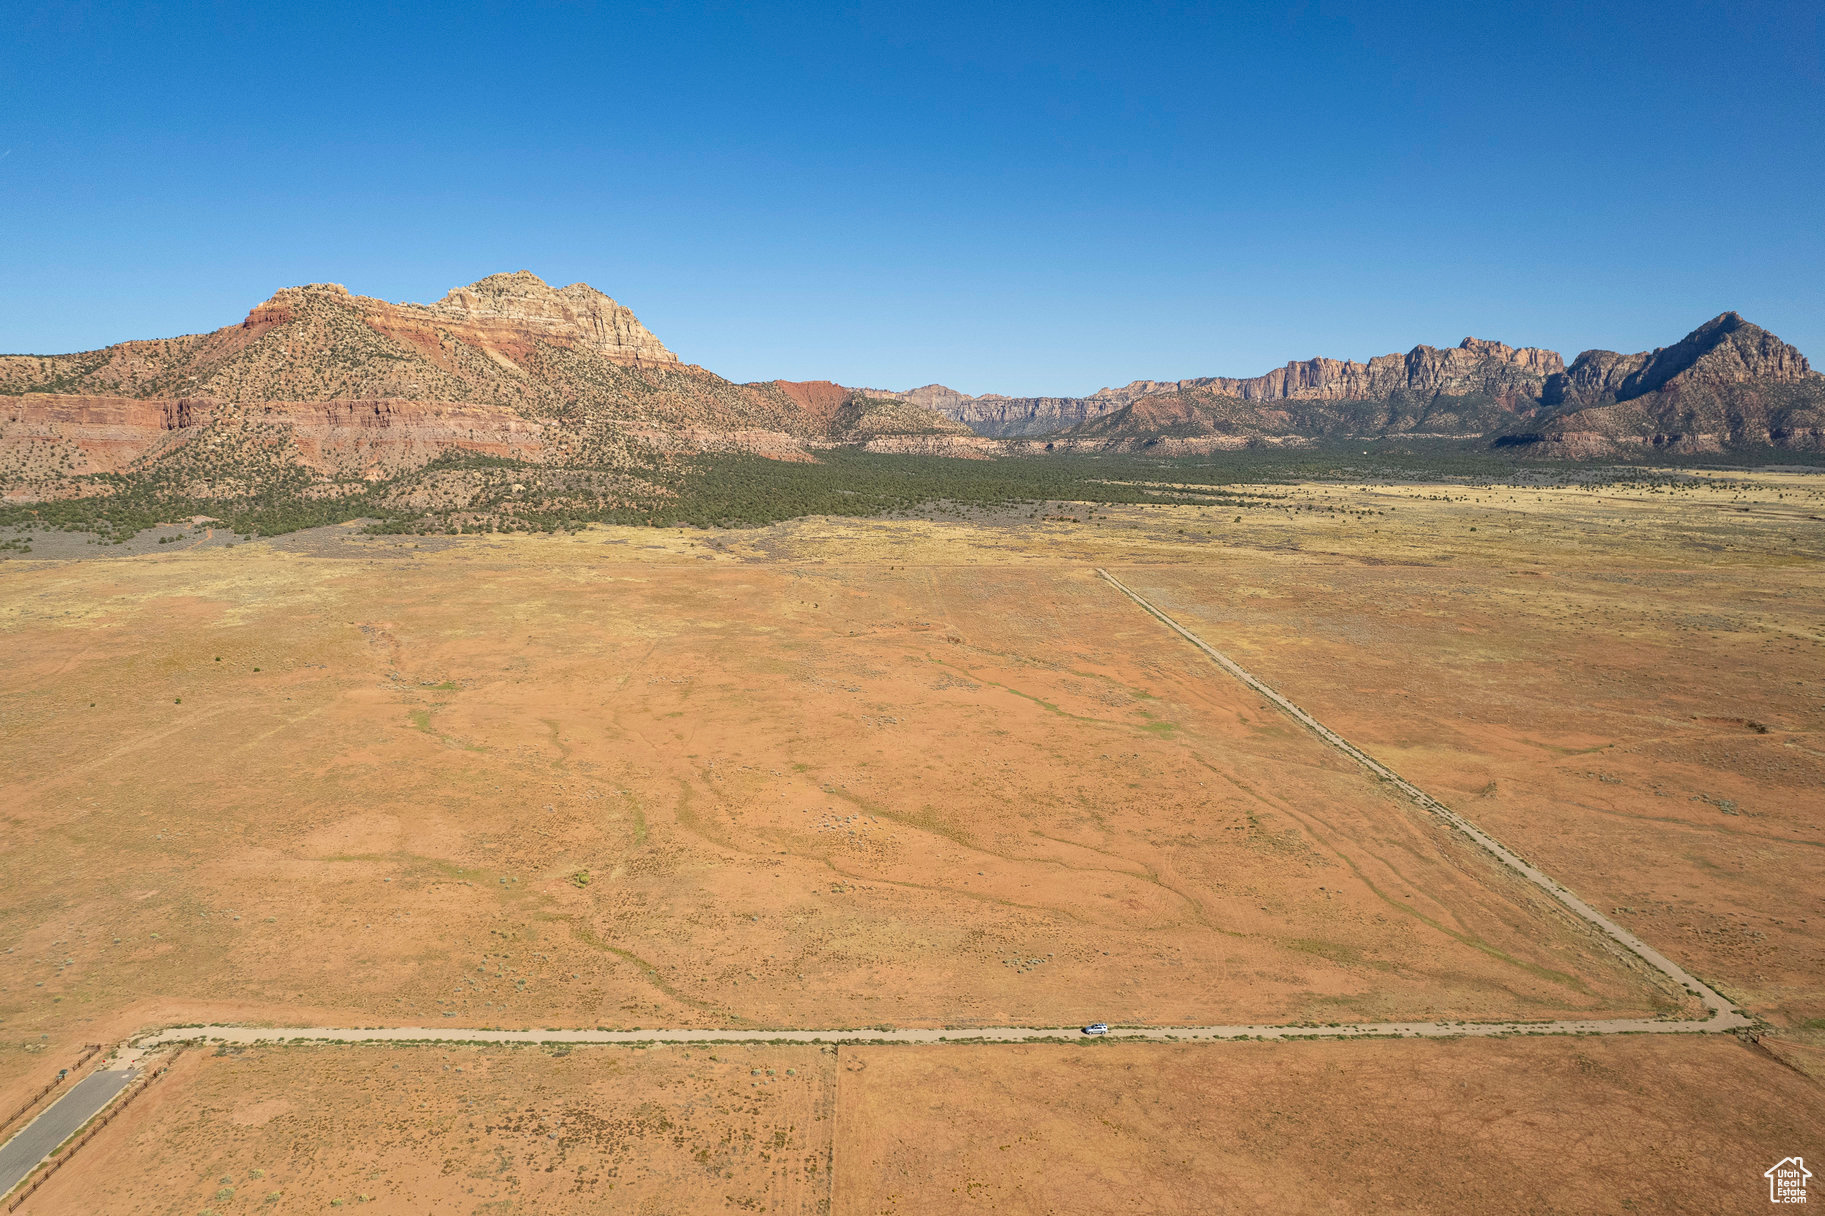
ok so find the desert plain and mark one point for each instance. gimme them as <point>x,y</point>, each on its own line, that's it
<point>933,773</point>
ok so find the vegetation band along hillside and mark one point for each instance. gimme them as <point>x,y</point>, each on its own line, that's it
<point>467,492</point>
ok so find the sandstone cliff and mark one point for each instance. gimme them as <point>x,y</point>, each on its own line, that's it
<point>506,340</point>
<point>341,385</point>
<point>518,305</point>
<point>1484,381</point>
<point>865,414</point>
<point>1726,385</point>
<point>1016,417</point>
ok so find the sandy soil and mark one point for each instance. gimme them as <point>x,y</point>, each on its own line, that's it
<point>1518,1125</point>
<point>1642,713</point>
<point>844,773</point>
<point>551,782</point>
<point>427,1130</point>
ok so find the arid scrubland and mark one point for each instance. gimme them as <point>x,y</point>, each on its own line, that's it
<point>931,772</point>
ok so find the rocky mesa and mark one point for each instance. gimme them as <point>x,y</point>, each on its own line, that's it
<point>339,386</point>
<point>318,392</point>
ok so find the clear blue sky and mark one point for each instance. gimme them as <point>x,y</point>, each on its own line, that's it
<point>1032,198</point>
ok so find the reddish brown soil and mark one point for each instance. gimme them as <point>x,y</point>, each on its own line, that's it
<point>555,783</point>
<point>1646,722</point>
<point>1517,1125</point>
<point>459,1130</point>
<point>840,773</point>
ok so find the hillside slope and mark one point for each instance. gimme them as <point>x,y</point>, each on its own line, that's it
<point>1462,390</point>
<point>1727,385</point>
<point>318,392</point>
<point>1466,391</point>
<point>319,400</point>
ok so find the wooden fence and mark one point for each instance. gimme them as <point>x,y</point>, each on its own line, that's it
<point>88,1053</point>
<point>94,1127</point>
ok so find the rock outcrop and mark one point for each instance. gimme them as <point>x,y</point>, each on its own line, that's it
<point>862,418</point>
<point>1727,385</point>
<point>1725,351</point>
<point>1476,372</point>
<point>1016,417</point>
<point>865,414</point>
<point>318,391</point>
<point>49,443</point>
<point>508,339</point>
<point>1474,367</point>
<point>323,389</point>
<point>521,304</point>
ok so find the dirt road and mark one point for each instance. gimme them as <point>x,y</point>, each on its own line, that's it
<point>1724,1016</point>
<point>988,1034</point>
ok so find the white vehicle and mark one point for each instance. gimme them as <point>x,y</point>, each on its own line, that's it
<point>1097,1028</point>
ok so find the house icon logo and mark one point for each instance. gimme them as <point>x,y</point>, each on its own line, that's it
<point>1787,1181</point>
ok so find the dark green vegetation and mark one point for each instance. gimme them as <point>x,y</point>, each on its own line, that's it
<point>465,492</point>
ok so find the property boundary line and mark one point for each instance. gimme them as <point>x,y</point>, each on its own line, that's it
<point>1724,1015</point>
<point>89,1131</point>
<point>88,1053</point>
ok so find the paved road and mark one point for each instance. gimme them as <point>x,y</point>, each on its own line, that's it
<point>20,1155</point>
<point>1723,1015</point>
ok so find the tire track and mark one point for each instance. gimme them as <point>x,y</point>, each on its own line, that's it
<point>1724,1015</point>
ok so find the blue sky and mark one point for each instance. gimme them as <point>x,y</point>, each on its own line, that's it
<point>1040,198</point>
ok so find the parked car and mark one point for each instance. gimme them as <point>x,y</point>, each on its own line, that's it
<point>1097,1028</point>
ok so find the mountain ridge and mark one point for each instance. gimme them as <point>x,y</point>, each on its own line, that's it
<point>324,388</point>
<point>1475,365</point>
<point>320,384</point>
<point>1727,384</point>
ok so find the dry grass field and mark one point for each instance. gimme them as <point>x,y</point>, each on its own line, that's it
<point>931,773</point>
<point>461,1130</point>
<point>1630,691</point>
<point>1563,1125</point>
<point>1558,1125</point>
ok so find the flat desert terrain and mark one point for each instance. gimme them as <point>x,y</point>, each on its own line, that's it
<point>1644,1124</point>
<point>933,773</point>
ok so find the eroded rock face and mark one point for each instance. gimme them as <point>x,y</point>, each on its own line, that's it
<point>1013,417</point>
<point>569,358</point>
<point>1475,368</point>
<point>1726,350</point>
<point>522,303</point>
<point>48,439</point>
<point>864,418</point>
<point>1726,385</point>
<point>506,339</point>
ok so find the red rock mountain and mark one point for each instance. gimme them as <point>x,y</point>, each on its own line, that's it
<point>1726,385</point>
<point>1476,370</point>
<point>341,385</point>
<point>326,391</point>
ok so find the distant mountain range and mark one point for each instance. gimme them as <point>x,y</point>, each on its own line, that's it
<point>1727,385</point>
<point>343,388</point>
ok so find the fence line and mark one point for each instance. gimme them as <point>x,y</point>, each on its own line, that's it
<point>94,1128</point>
<point>87,1055</point>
